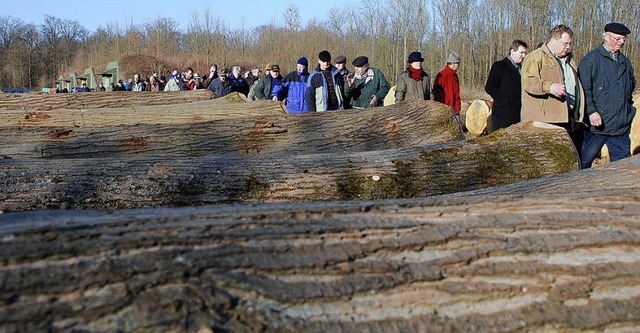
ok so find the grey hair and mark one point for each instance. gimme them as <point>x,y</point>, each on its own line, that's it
<point>236,68</point>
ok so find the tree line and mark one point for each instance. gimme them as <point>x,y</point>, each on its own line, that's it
<point>384,30</point>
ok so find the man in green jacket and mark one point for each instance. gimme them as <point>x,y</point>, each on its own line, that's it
<point>367,86</point>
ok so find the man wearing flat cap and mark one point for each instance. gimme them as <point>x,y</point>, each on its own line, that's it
<point>414,82</point>
<point>608,81</point>
<point>340,62</point>
<point>446,86</point>
<point>366,86</point>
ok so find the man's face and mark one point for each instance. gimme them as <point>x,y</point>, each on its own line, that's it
<point>136,77</point>
<point>189,75</point>
<point>613,41</point>
<point>223,77</point>
<point>519,54</point>
<point>416,65</point>
<point>255,72</point>
<point>360,70</point>
<point>324,64</point>
<point>213,69</point>
<point>274,73</point>
<point>300,68</point>
<point>561,47</point>
<point>455,66</point>
<point>340,66</point>
<point>235,72</point>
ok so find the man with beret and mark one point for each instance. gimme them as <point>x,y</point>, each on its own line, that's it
<point>608,80</point>
<point>340,62</point>
<point>324,86</point>
<point>504,86</point>
<point>366,86</point>
<point>551,89</point>
<point>413,83</point>
<point>446,86</point>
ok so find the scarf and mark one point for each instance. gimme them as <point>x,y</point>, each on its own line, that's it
<point>415,74</point>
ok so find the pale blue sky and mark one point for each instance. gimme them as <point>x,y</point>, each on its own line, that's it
<point>91,13</point>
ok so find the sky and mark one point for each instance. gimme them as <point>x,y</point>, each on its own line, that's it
<point>94,13</point>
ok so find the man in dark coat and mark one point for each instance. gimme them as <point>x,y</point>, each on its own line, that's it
<point>609,82</point>
<point>504,86</point>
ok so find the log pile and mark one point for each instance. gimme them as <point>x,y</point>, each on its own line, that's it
<point>564,255</point>
<point>558,252</point>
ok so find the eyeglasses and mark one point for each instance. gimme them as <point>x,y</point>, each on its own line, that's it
<point>618,39</point>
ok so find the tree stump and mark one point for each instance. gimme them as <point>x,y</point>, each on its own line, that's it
<point>478,115</point>
<point>258,133</point>
<point>564,256</point>
<point>523,151</point>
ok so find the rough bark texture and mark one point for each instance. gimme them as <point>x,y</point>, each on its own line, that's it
<point>264,134</point>
<point>564,256</point>
<point>110,99</point>
<point>229,107</point>
<point>521,152</point>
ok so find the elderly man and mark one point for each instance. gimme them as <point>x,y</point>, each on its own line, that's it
<point>446,86</point>
<point>366,86</point>
<point>504,86</point>
<point>608,81</point>
<point>551,91</point>
<point>414,82</point>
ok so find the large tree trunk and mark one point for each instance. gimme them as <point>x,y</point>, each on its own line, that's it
<point>264,134</point>
<point>521,152</point>
<point>562,256</point>
<point>114,99</point>
<point>231,106</point>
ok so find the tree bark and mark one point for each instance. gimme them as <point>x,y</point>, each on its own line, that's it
<point>521,152</point>
<point>111,99</point>
<point>563,255</point>
<point>231,106</point>
<point>264,134</point>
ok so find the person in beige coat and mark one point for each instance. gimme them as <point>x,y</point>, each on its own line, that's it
<point>413,83</point>
<point>551,89</point>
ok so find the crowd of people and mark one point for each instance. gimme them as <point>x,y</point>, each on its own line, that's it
<point>591,101</point>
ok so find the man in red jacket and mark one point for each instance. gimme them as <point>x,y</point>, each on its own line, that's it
<point>446,87</point>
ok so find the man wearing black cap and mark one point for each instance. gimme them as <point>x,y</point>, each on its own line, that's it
<point>413,83</point>
<point>608,80</point>
<point>324,87</point>
<point>366,86</point>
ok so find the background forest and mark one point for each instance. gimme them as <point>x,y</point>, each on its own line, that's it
<point>386,31</point>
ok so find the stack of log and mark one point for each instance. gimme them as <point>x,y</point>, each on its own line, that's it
<point>326,253</point>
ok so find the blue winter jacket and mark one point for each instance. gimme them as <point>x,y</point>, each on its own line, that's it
<point>294,88</point>
<point>608,87</point>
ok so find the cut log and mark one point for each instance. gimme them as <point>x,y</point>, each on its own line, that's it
<point>523,151</point>
<point>229,107</point>
<point>477,119</point>
<point>562,260</point>
<point>115,99</point>
<point>401,125</point>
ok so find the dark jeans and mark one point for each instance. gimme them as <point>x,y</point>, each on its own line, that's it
<point>619,147</point>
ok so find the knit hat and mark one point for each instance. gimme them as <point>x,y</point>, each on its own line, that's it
<point>303,61</point>
<point>275,68</point>
<point>360,61</point>
<point>340,59</point>
<point>324,56</point>
<point>617,28</point>
<point>415,56</point>
<point>453,58</point>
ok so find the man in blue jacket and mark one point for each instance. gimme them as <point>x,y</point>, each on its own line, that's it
<point>608,80</point>
<point>294,88</point>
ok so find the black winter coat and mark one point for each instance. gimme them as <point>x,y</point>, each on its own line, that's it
<point>504,86</point>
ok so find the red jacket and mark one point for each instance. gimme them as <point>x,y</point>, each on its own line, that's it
<point>446,89</point>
